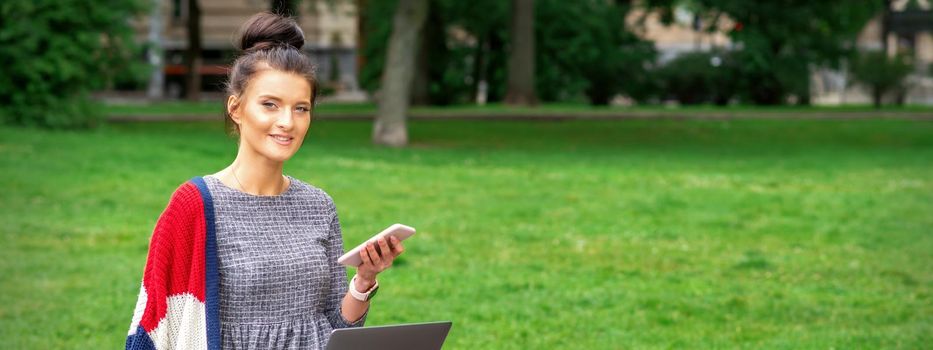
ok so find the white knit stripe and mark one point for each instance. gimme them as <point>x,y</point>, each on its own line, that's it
<point>140,308</point>
<point>184,325</point>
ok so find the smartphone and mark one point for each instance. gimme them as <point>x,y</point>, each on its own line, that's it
<point>352,258</point>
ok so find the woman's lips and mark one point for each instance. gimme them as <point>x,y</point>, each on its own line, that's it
<point>284,141</point>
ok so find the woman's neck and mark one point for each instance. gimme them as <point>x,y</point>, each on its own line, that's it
<point>257,175</point>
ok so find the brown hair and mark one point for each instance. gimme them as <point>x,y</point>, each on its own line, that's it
<point>273,40</point>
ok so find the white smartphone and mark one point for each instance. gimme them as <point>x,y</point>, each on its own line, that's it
<point>352,258</point>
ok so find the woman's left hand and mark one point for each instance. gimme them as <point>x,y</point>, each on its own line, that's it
<point>377,257</point>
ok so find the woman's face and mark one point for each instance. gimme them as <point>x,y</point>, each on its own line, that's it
<point>273,113</point>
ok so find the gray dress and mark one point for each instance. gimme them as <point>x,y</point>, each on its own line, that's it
<point>280,284</point>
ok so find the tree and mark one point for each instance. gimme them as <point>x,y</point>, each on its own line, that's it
<point>472,69</point>
<point>362,33</point>
<point>390,127</point>
<point>54,57</point>
<point>193,52</point>
<point>521,88</point>
<point>589,53</point>
<point>431,46</point>
<point>782,41</point>
<point>288,8</point>
<point>882,74</point>
<point>778,41</point>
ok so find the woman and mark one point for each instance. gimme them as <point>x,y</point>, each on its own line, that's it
<point>247,257</point>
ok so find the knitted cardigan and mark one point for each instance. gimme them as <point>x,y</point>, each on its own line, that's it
<point>178,304</point>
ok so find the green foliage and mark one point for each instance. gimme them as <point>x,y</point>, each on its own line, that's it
<point>583,50</point>
<point>55,52</point>
<point>700,77</point>
<point>583,47</point>
<point>483,55</point>
<point>880,73</point>
<point>450,61</point>
<point>378,26</point>
<point>778,41</point>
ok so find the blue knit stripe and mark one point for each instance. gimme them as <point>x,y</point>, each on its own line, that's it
<point>212,283</point>
<point>139,341</point>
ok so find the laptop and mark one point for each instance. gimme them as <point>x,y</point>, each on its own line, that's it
<point>414,336</point>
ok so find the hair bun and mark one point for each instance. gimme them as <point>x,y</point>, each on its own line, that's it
<point>266,30</point>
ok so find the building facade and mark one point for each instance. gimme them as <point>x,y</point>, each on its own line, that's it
<point>330,29</point>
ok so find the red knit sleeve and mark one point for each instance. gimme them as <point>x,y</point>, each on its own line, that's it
<point>169,262</point>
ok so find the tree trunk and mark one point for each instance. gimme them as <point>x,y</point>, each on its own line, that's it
<point>193,55</point>
<point>420,93</point>
<point>495,85</point>
<point>876,97</point>
<point>885,25</point>
<point>154,53</point>
<point>432,47</point>
<point>521,85</point>
<point>361,33</point>
<point>389,127</point>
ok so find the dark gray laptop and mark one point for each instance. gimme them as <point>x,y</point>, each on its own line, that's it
<point>415,336</point>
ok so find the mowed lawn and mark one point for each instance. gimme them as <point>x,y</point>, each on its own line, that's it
<point>531,235</point>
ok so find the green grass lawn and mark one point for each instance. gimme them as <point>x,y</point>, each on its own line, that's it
<point>532,235</point>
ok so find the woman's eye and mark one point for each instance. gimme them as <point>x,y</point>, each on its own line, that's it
<point>269,105</point>
<point>304,109</point>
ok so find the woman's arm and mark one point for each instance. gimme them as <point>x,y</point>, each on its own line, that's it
<point>343,310</point>
<point>374,262</point>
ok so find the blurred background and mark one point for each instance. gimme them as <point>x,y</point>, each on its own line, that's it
<point>615,53</point>
<point>599,52</point>
<point>583,174</point>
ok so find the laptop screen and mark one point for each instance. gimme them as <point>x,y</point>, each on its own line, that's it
<point>414,336</point>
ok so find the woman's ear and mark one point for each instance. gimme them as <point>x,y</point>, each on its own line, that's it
<point>233,108</point>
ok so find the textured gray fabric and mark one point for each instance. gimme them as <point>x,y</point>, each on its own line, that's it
<point>280,284</point>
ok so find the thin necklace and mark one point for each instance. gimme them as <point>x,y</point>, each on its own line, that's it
<point>238,180</point>
<point>241,184</point>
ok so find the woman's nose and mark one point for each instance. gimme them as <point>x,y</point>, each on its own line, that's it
<point>285,119</point>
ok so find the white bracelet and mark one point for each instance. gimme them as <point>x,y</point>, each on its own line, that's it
<point>362,296</point>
